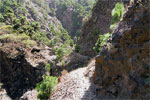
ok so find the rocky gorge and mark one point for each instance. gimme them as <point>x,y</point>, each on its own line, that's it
<point>121,70</point>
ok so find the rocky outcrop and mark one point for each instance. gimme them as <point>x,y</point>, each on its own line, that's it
<point>98,24</point>
<point>123,66</point>
<point>20,69</point>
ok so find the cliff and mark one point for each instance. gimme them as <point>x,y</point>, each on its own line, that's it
<point>122,67</point>
<point>97,25</point>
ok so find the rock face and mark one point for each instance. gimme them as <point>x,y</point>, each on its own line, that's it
<point>122,67</point>
<point>98,24</point>
<point>66,18</point>
<point>20,70</point>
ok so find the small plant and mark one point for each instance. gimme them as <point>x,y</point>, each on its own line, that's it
<point>46,87</point>
<point>29,43</point>
<point>1,18</point>
<point>117,12</point>
<point>96,32</point>
<point>48,67</point>
<point>63,63</point>
<point>102,40</point>
<point>59,53</point>
<point>76,48</point>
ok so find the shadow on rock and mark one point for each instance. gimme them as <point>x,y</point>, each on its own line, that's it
<point>18,75</point>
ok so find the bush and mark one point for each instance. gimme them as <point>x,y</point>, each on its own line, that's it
<point>59,53</point>
<point>102,40</point>
<point>117,12</point>
<point>76,48</point>
<point>29,43</point>
<point>1,18</point>
<point>48,67</point>
<point>46,87</point>
<point>96,32</point>
<point>41,37</point>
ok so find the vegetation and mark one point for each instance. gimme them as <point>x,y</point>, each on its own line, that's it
<point>12,35</point>
<point>76,48</point>
<point>117,14</point>
<point>22,26</point>
<point>47,86</point>
<point>11,13</point>
<point>101,42</point>
<point>81,11</point>
<point>62,41</point>
<point>96,32</point>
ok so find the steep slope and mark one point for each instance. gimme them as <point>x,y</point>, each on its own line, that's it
<point>98,24</point>
<point>122,67</point>
<point>30,39</point>
<point>21,65</point>
<point>37,13</point>
<point>71,13</point>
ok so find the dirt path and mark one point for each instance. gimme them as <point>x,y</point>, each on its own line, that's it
<point>77,85</point>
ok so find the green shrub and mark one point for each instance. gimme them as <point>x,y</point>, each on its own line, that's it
<point>48,67</point>
<point>59,53</point>
<point>102,40</point>
<point>96,32</point>
<point>1,18</point>
<point>46,87</point>
<point>76,48</point>
<point>29,43</point>
<point>52,43</point>
<point>15,37</point>
<point>41,37</point>
<point>117,12</point>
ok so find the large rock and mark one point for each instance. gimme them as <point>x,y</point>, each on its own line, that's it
<point>122,67</point>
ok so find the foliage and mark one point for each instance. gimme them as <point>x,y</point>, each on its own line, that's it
<point>102,40</point>
<point>117,12</point>
<point>29,43</point>
<point>81,9</point>
<point>13,12</point>
<point>2,18</point>
<point>46,87</point>
<point>48,67</point>
<point>60,53</point>
<point>62,41</point>
<point>22,38</point>
<point>76,48</point>
<point>96,32</point>
<point>41,37</point>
